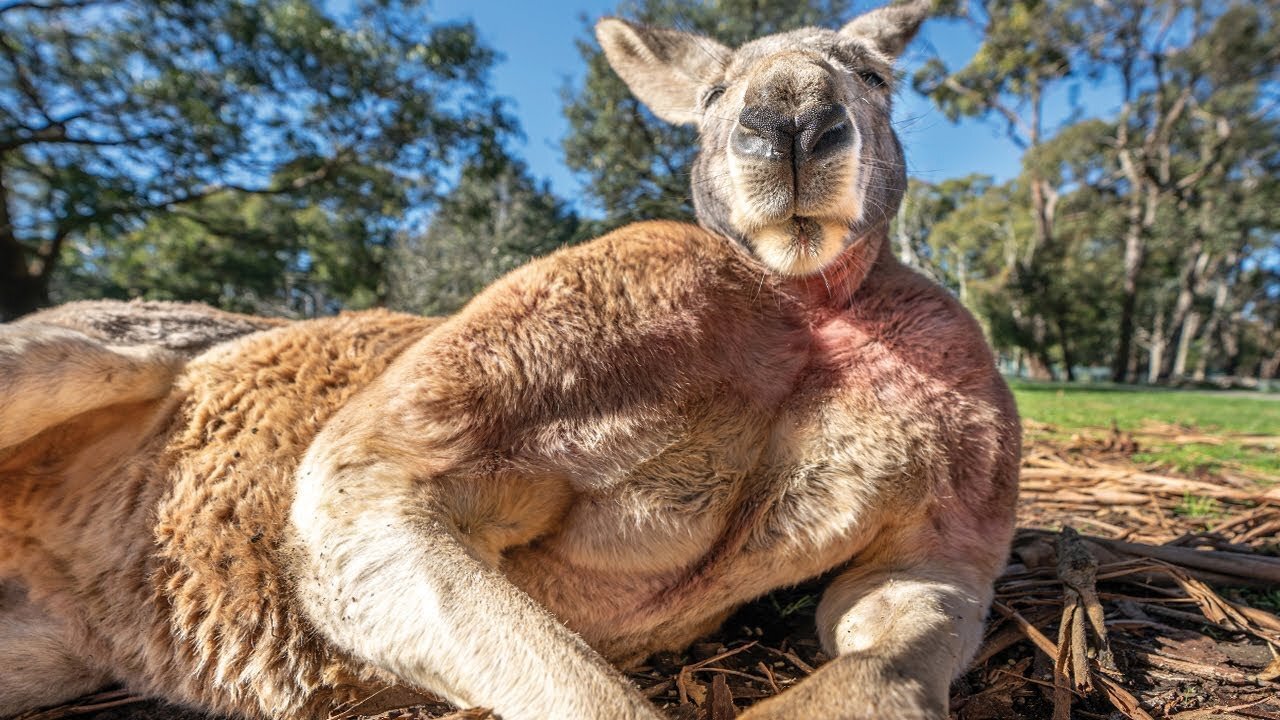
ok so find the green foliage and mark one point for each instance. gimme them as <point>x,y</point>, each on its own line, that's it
<point>1135,253</point>
<point>134,130</point>
<point>494,220</point>
<point>636,167</point>
<point>1026,46</point>
<point>1198,506</point>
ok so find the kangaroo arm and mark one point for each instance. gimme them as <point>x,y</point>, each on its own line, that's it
<point>386,574</point>
<point>899,633</point>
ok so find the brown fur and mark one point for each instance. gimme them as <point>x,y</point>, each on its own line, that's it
<point>185,328</point>
<point>677,432</point>
<point>600,457</point>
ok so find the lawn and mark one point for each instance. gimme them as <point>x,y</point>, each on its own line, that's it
<point>1190,431</point>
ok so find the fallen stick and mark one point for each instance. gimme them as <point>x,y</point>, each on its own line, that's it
<point>1217,561</point>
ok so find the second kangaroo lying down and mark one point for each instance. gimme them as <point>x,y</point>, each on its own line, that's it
<point>600,457</point>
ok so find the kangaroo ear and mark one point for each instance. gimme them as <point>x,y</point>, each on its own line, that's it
<point>668,70</point>
<point>889,29</point>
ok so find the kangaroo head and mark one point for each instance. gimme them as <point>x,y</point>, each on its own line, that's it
<point>798,160</point>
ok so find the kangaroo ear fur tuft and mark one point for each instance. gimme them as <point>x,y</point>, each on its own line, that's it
<point>889,29</point>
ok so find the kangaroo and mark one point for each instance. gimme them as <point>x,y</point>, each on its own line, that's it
<point>62,362</point>
<point>600,457</point>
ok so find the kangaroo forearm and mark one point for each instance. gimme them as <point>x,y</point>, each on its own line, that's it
<point>899,637</point>
<point>405,594</point>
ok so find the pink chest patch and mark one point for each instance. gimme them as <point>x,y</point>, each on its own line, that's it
<point>866,356</point>
<point>842,342</point>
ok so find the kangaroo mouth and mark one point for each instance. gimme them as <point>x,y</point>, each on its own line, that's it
<point>796,228</point>
<point>806,234</point>
<point>799,245</point>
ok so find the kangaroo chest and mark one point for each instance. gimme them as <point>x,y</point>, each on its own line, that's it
<point>742,502</point>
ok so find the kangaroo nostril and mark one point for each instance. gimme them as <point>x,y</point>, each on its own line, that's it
<point>766,121</point>
<point>833,139</point>
<point>823,130</point>
<point>763,132</point>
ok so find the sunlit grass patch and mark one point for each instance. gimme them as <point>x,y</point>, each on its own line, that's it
<point>1197,506</point>
<point>1224,417</point>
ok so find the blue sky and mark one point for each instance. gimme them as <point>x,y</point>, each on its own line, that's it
<point>537,42</point>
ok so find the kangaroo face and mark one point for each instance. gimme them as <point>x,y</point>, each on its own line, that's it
<point>798,160</point>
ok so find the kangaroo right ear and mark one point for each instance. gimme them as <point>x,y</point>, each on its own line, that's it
<point>668,70</point>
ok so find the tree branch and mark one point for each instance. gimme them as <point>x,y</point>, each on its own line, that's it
<point>1011,117</point>
<point>23,80</point>
<point>55,133</point>
<point>71,224</point>
<point>47,6</point>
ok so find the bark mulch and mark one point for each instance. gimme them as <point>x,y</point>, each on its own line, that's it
<point>1132,593</point>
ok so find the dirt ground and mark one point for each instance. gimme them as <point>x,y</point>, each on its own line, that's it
<point>1132,592</point>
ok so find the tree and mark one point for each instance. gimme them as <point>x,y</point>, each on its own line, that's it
<point>117,112</point>
<point>637,166</point>
<point>1181,66</point>
<point>1190,79</point>
<point>1023,55</point>
<point>977,238</point>
<point>494,220</point>
<point>924,207</point>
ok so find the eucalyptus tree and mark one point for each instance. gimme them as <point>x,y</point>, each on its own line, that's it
<point>116,112</point>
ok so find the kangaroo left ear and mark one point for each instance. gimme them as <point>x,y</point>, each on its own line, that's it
<point>889,29</point>
<point>666,69</point>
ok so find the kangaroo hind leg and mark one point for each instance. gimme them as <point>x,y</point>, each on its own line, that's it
<point>49,375</point>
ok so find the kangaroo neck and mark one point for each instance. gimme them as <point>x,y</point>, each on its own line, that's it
<point>834,287</point>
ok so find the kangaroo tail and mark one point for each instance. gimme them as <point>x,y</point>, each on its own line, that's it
<point>49,375</point>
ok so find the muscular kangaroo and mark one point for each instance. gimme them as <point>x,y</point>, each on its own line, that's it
<point>600,457</point>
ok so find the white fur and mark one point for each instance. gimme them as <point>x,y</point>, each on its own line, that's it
<point>405,594</point>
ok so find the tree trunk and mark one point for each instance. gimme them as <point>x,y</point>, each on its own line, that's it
<point>1135,252</point>
<point>21,290</point>
<point>1186,336</point>
<point>1196,260</point>
<point>1269,368</point>
<point>1217,316</point>
<point>1156,350</point>
<point>1068,357</point>
<point>1038,367</point>
<point>1231,346</point>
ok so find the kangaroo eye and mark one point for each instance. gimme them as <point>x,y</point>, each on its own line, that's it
<point>872,78</point>
<point>712,95</point>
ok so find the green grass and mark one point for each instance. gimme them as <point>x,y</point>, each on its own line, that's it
<point>1268,600</point>
<point>1198,507</point>
<point>1071,409</point>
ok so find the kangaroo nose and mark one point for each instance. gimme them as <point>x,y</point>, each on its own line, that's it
<point>767,134</point>
<point>824,130</point>
<point>763,133</point>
